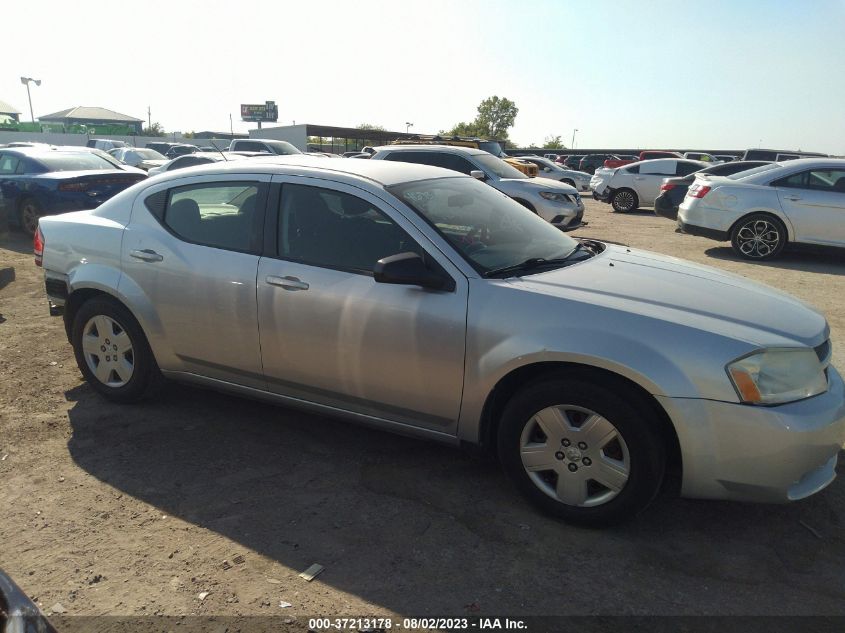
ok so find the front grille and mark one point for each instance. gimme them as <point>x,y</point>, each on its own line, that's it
<point>823,351</point>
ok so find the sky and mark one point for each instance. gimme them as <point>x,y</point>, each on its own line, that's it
<point>717,74</point>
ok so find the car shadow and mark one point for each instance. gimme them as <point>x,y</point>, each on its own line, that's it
<point>420,528</point>
<point>811,259</point>
<point>16,240</point>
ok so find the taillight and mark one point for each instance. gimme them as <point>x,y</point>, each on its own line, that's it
<point>73,186</point>
<point>38,246</point>
<point>667,187</point>
<point>698,191</point>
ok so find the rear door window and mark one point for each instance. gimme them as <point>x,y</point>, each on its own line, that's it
<point>660,166</point>
<point>226,215</point>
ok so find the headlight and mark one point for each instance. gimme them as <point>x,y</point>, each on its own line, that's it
<point>554,195</point>
<point>776,376</point>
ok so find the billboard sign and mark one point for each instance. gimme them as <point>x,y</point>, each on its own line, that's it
<point>267,111</point>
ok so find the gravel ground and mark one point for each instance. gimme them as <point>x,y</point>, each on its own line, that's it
<point>143,509</point>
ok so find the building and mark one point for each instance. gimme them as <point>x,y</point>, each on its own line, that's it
<point>7,112</point>
<point>92,117</point>
<point>205,134</point>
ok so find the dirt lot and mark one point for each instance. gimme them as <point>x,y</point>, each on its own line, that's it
<point>137,510</point>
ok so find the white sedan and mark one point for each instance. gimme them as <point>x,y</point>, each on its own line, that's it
<point>800,201</point>
<point>638,184</point>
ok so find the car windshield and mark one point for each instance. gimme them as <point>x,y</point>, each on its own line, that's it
<point>149,154</point>
<point>81,161</point>
<point>497,166</point>
<point>282,147</point>
<point>493,147</point>
<point>487,228</point>
<point>752,172</point>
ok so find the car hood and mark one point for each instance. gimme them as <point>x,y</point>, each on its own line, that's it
<point>680,291</point>
<point>531,184</point>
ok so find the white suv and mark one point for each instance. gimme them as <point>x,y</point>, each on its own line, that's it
<point>638,184</point>
<point>555,202</point>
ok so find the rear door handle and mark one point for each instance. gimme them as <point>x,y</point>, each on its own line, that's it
<point>288,283</point>
<point>147,255</point>
<point>793,198</point>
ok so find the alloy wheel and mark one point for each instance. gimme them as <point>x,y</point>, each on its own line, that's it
<point>758,238</point>
<point>575,456</point>
<point>624,201</point>
<point>29,216</point>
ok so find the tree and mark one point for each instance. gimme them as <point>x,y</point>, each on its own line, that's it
<point>495,116</point>
<point>156,129</point>
<point>553,142</point>
<point>369,126</point>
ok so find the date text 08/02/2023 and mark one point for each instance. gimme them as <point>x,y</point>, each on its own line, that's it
<point>444,624</point>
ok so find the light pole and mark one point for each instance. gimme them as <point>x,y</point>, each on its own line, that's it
<point>408,126</point>
<point>25,81</point>
<point>572,144</point>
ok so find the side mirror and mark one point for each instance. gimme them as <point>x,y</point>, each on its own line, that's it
<point>478,174</point>
<point>408,269</point>
<point>547,169</point>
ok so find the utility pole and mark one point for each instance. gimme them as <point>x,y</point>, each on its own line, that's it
<point>572,143</point>
<point>149,119</point>
<point>26,81</point>
<point>231,128</point>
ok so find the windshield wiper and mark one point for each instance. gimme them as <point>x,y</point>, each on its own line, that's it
<point>534,263</point>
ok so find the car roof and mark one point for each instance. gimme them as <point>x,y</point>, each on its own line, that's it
<point>49,150</point>
<point>384,172</point>
<point>422,147</point>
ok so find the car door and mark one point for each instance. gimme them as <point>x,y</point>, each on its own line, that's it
<point>652,172</point>
<point>814,202</point>
<point>332,335</point>
<point>189,258</point>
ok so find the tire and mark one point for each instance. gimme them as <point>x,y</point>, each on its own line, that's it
<point>605,483</point>
<point>570,182</point>
<point>759,237</point>
<point>624,201</point>
<point>103,323</point>
<point>29,213</point>
<point>527,205</point>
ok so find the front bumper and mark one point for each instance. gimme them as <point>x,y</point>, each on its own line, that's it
<point>767,454</point>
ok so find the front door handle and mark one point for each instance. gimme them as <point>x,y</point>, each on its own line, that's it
<point>793,198</point>
<point>288,283</point>
<point>147,255</point>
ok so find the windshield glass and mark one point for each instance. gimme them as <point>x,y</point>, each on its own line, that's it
<point>486,227</point>
<point>149,154</point>
<point>282,147</point>
<point>752,172</point>
<point>493,147</point>
<point>75,162</point>
<point>497,166</point>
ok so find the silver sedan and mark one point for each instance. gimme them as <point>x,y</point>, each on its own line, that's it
<point>421,301</point>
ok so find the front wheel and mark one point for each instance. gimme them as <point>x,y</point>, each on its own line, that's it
<point>624,200</point>
<point>570,182</point>
<point>581,451</point>
<point>759,236</point>
<point>112,352</point>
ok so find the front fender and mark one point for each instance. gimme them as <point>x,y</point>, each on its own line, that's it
<point>654,371</point>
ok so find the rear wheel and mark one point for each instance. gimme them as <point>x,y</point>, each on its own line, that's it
<point>624,200</point>
<point>112,351</point>
<point>568,181</point>
<point>759,236</point>
<point>29,214</point>
<point>581,450</point>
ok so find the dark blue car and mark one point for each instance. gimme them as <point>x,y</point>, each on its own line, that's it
<point>36,181</point>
